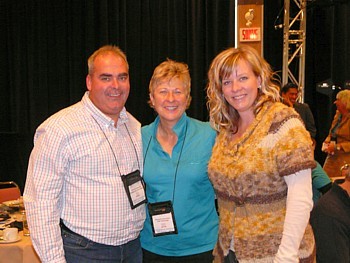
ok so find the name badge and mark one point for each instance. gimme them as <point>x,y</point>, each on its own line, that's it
<point>135,188</point>
<point>162,218</point>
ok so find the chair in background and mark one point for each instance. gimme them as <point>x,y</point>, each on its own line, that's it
<point>9,191</point>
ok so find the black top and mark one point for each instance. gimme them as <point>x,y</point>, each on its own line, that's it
<point>306,115</point>
<point>330,220</point>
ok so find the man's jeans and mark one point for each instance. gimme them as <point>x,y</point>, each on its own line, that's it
<point>79,249</point>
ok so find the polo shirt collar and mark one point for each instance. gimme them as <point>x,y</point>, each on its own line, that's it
<point>179,127</point>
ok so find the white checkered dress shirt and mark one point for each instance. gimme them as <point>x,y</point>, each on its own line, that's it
<point>73,175</point>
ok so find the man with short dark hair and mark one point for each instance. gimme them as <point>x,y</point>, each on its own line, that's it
<point>290,94</point>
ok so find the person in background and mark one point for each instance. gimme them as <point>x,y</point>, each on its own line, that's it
<point>320,182</point>
<point>290,94</point>
<point>77,207</point>
<point>182,222</point>
<point>337,143</point>
<point>330,220</point>
<point>260,166</point>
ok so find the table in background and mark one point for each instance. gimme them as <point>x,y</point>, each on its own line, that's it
<point>19,252</point>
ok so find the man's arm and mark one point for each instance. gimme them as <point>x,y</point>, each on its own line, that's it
<point>42,196</point>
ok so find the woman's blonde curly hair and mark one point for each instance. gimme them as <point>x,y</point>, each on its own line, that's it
<point>222,114</point>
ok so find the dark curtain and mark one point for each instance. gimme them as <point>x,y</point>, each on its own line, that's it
<point>44,46</point>
<point>327,59</point>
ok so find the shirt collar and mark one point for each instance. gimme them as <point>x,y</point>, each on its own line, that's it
<point>179,127</point>
<point>99,116</point>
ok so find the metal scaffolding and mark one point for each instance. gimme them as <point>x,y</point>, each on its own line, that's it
<point>294,44</point>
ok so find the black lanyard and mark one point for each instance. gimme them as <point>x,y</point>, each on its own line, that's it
<point>178,160</point>
<point>110,146</point>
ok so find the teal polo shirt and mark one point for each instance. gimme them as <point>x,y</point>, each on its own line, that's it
<point>183,179</point>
